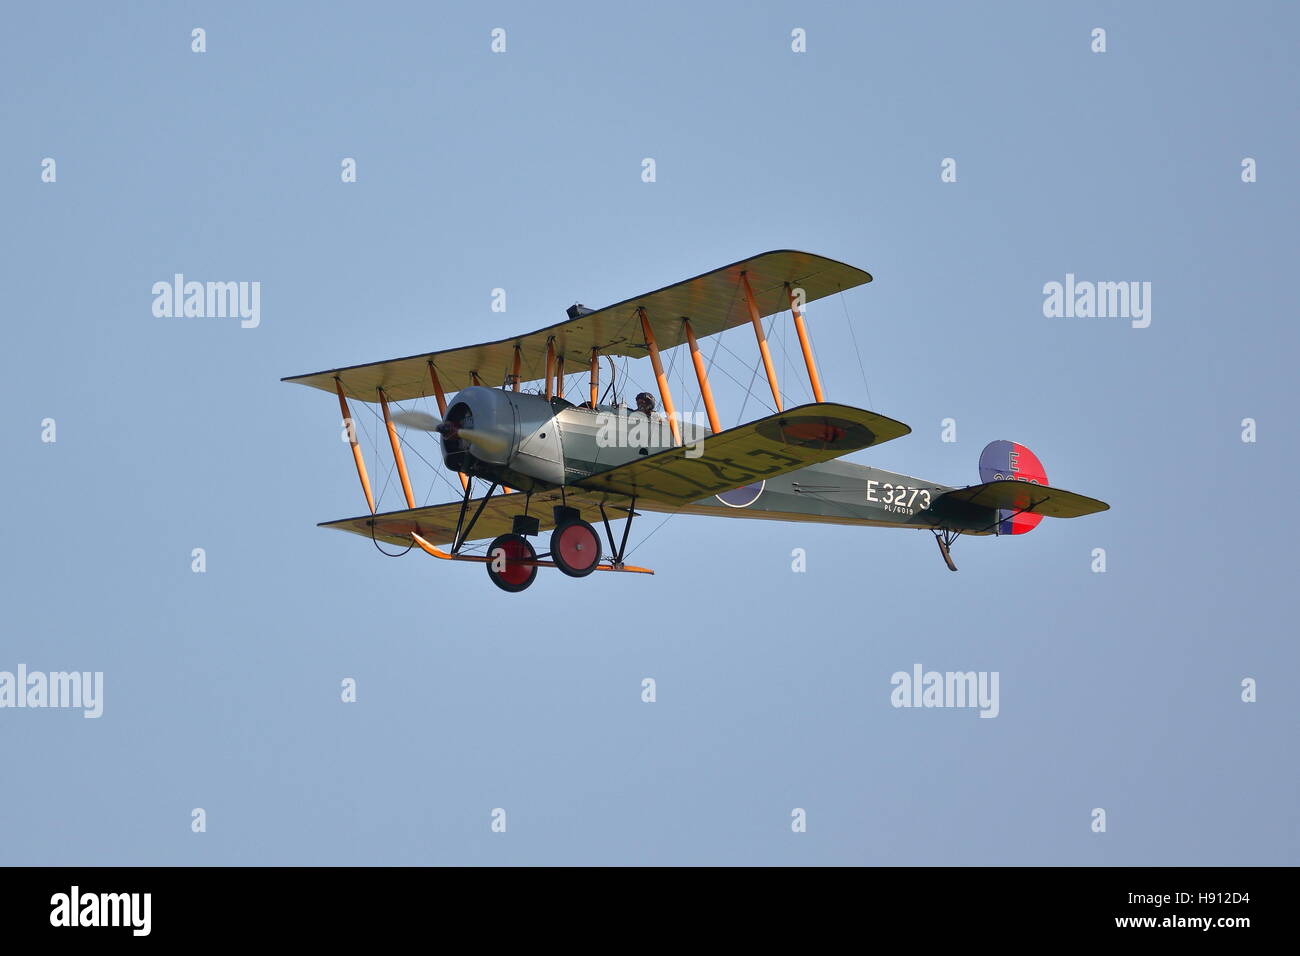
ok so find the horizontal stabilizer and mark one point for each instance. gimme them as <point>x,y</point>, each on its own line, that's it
<point>1023,496</point>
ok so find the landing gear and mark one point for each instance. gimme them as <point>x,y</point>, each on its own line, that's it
<point>511,562</point>
<point>575,548</point>
<point>618,551</point>
<point>944,538</point>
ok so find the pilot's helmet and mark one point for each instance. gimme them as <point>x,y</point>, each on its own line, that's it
<point>645,402</point>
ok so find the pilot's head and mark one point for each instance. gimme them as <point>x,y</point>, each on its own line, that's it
<point>644,403</point>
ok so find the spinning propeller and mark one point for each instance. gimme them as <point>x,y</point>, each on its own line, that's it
<point>422,421</point>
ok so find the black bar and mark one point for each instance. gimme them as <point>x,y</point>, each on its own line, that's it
<point>915,906</point>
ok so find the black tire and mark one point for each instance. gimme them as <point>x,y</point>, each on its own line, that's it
<point>516,576</point>
<point>575,548</point>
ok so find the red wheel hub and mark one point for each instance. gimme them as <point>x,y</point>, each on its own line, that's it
<point>575,548</point>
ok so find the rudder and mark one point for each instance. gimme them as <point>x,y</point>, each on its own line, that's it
<point>1009,460</point>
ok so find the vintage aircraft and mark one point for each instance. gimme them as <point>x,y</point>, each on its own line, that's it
<point>563,467</point>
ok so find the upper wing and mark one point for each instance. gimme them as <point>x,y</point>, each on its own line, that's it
<point>437,523</point>
<point>1025,496</point>
<point>711,301</point>
<point>780,443</point>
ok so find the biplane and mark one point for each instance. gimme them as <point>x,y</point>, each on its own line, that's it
<point>550,465</point>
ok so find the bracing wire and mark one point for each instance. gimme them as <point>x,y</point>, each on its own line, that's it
<point>650,535</point>
<point>401,437</point>
<point>861,368</point>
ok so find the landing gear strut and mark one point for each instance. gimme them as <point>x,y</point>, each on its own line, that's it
<point>618,552</point>
<point>944,537</point>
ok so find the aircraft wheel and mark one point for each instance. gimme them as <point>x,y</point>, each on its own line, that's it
<point>515,575</point>
<point>575,548</point>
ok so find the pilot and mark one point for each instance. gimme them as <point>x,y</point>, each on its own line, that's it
<point>645,404</point>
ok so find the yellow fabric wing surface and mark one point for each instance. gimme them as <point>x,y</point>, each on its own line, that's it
<point>713,302</point>
<point>437,523</point>
<point>771,446</point>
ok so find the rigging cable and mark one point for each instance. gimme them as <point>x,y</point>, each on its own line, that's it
<point>861,367</point>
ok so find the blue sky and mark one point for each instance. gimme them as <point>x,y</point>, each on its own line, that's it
<point>522,171</point>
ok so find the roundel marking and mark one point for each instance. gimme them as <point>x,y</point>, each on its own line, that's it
<point>816,431</point>
<point>742,497</point>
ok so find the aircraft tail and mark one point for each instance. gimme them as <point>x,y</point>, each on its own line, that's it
<point>1011,461</point>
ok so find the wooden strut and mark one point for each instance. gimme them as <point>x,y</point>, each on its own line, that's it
<point>559,376</point>
<point>515,380</point>
<point>595,378</point>
<point>437,391</point>
<point>804,344</point>
<point>397,451</point>
<point>442,411</point>
<point>356,447</point>
<point>755,318</point>
<point>702,375</point>
<point>664,393</point>
<point>550,367</point>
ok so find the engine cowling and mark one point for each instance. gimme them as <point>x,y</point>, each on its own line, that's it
<point>526,423</point>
